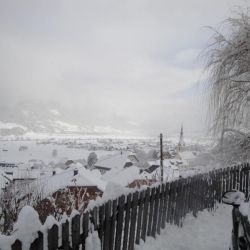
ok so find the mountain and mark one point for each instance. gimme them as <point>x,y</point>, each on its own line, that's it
<point>48,118</point>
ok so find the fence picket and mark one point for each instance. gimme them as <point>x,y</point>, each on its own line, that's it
<point>160,214</point>
<point>156,211</point>
<point>85,226</point>
<point>38,242</point>
<point>133,221</point>
<point>119,224</point>
<point>53,238</point>
<point>170,199</point>
<point>107,225</point>
<point>101,224</point>
<point>75,229</point>
<point>65,235</point>
<point>151,208</point>
<point>145,214</point>
<point>127,222</point>
<point>139,219</point>
<point>113,224</point>
<point>17,245</point>
<point>165,205</point>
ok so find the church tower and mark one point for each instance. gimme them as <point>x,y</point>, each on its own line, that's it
<point>181,143</point>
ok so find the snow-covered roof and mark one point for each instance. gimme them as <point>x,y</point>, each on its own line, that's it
<point>113,161</point>
<point>123,177</point>
<point>85,177</point>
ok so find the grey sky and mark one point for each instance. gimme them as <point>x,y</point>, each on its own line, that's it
<point>128,64</point>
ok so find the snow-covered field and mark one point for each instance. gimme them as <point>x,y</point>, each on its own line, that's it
<point>9,152</point>
<point>210,231</point>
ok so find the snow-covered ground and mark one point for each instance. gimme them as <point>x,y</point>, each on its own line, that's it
<point>9,152</point>
<point>210,231</point>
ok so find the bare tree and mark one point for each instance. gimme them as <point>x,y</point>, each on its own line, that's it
<point>228,67</point>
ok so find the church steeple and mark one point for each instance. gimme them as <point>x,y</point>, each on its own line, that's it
<point>181,143</point>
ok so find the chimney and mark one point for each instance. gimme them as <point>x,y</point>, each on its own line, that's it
<point>75,172</point>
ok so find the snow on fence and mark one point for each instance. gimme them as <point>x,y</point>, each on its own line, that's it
<point>127,220</point>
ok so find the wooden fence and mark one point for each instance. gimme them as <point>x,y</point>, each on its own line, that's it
<point>127,220</point>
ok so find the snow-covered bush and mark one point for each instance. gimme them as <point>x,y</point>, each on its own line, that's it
<point>13,198</point>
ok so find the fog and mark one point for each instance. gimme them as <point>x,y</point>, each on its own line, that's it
<point>131,65</point>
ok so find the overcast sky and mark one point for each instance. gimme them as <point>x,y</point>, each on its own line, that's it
<point>128,64</point>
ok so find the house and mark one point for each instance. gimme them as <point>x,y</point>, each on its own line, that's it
<point>66,199</point>
<point>170,170</point>
<point>68,190</point>
<point>7,165</point>
<point>116,161</point>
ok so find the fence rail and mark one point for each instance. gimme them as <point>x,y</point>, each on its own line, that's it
<point>125,221</point>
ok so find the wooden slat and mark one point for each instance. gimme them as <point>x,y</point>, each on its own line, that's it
<point>145,214</point>
<point>53,238</point>
<point>65,235</point>
<point>160,214</point>
<point>133,221</point>
<point>17,245</point>
<point>101,224</point>
<point>38,242</point>
<point>127,222</point>
<point>119,224</point>
<point>139,218</point>
<point>173,202</point>
<point>107,224</point>
<point>151,209</point>
<point>156,211</point>
<point>75,229</point>
<point>85,227</point>
<point>113,225</point>
<point>165,205</point>
<point>169,210</point>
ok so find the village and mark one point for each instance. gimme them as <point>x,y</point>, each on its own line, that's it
<point>54,188</point>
